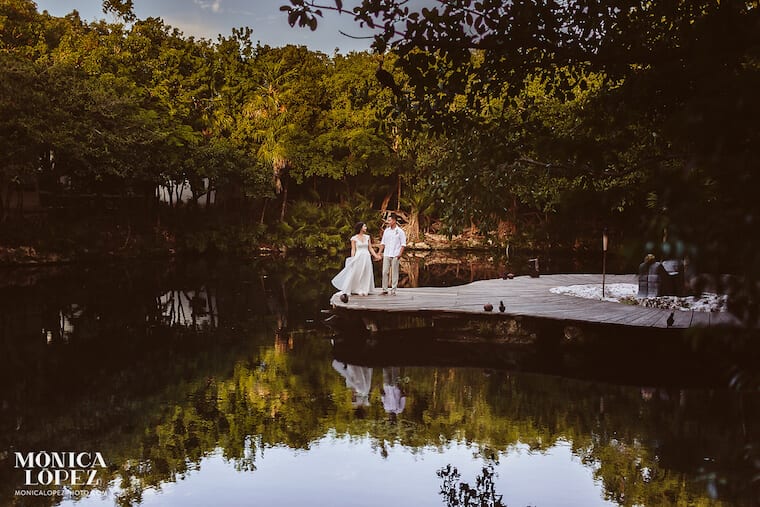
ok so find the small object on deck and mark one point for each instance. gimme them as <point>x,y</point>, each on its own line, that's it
<point>502,307</point>
<point>344,298</point>
<point>534,269</point>
<point>510,276</point>
<point>488,307</point>
<point>671,319</point>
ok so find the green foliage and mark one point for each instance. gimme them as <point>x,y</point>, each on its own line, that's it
<point>351,140</point>
<point>20,100</point>
<point>555,119</point>
<point>120,109</point>
<point>231,240</point>
<point>313,227</point>
<point>564,117</point>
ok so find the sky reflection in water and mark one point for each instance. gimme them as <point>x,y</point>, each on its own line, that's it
<point>349,472</point>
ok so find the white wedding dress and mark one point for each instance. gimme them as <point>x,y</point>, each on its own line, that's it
<point>358,379</point>
<point>357,277</point>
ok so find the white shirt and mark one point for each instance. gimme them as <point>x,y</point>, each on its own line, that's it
<point>393,238</point>
<point>394,400</point>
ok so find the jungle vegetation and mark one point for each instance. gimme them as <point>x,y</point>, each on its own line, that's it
<point>531,123</point>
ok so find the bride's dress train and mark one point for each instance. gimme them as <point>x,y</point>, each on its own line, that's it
<point>357,277</point>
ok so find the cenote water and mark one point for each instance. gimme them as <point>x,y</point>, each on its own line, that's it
<point>216,383</point>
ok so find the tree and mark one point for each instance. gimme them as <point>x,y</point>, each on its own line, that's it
<point>457,493</point>
<point>350,140</point>
<point>268,127</point>
<point>21,141</point>
<point>679,76</point>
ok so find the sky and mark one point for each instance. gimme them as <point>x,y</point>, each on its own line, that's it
<point>208,18</point>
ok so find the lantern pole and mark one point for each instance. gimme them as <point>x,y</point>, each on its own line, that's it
<point>604,258</point>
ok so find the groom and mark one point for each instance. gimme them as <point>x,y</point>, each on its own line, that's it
<point>391,247</point>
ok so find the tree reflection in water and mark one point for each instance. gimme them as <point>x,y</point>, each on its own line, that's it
<point>460,494</point>
<point>157,397</point>
<point>188,308</point>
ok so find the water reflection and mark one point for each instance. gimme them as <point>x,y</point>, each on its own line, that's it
<point>220,376</point>
<point>359,381</point>
<point>188,308</point>
<point>394,391</point>
<point>458,493</point>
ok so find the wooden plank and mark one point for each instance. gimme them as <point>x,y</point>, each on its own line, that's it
<point>699,319</point>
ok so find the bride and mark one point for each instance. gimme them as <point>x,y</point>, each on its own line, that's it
<point>357,277</point>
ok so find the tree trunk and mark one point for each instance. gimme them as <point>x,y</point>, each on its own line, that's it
<point>398,198</point>
<point>3,202</point>
<point>515,215</point>
<point>179,189</point>
<point>264,210</point>
<point>411,268</point>
<point>284,202</point>
<point>413,226</point>
<point>386,202</point>
<point>20,199</point>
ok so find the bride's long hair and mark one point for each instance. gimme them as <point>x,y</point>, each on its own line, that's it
<point>358,227</point>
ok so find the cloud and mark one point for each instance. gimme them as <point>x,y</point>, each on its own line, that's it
<point>215,6</point>
<point>197,29</point>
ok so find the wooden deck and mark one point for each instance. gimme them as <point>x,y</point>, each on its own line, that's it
<point>530,297</point>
